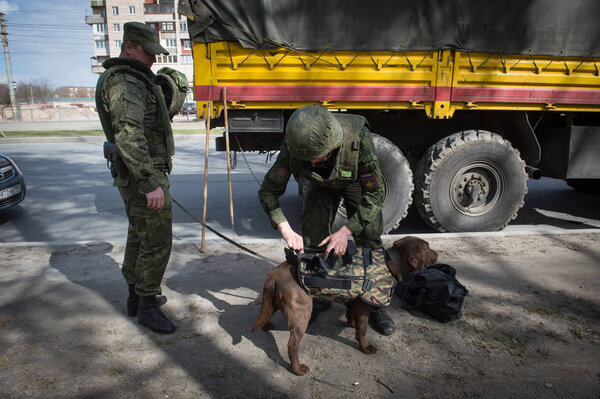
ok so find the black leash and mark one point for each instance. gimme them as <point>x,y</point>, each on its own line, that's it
<point>229,240</point>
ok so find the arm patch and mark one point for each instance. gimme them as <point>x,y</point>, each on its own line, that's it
<point>280,175</point>
<point>369,181</point>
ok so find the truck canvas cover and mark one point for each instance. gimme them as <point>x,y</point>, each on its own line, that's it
<point>537,27</point>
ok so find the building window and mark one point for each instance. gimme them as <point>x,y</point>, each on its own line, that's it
<point>101,44</point>
<point>100,28</point>
<point>118,44</point>
<point>183,26</point>
<point>117,27</point>
<point>115,10</point>
<point>131,10</point>
<point>170,42</point>
<point>167,26</point>
<point>187,59</point>
<point>172,59</point>
<point>187,44</point>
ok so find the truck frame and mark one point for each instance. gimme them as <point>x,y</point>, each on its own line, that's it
<point>457,131</point>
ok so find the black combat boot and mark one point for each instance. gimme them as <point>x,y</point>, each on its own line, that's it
<point>149,315</point>
<point>381,322</point>
<point>133,300</point>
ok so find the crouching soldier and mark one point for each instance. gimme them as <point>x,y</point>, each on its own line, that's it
<point>335,155</point>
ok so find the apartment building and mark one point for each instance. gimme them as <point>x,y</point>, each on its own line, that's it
<point>108,17</point>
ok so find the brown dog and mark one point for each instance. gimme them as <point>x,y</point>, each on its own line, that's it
<point>282,291</point>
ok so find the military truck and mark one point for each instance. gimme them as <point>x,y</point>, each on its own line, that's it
<point>466,99</point>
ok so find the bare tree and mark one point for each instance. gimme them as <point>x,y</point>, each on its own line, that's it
<point>4,93</point>
<point>82,92</point>
<point>45,89</point>
<point>24,92</point>
<point>64,91</point>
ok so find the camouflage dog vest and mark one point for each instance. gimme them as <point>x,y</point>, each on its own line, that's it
<point>360,273</point>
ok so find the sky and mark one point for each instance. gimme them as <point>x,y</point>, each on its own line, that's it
<point>48,40</point>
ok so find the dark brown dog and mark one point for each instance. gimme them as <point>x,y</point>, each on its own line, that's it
<point>283,291</point>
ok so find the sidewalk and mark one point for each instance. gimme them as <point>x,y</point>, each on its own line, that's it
<point>531,328</point>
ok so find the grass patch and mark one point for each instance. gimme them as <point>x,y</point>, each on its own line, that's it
<point>116,372</point>
<point>453,378</point>
<point>217,372</point>
<point>52,133</point>
<point>80,133</point>
<point>542,311</point>
<point>578,332</point>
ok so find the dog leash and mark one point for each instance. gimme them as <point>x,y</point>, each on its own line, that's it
<point>229,240</point>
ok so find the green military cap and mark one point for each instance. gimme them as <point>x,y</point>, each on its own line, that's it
<point>143,35</point>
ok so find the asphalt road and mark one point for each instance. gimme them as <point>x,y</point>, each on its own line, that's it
<point>70,198</point>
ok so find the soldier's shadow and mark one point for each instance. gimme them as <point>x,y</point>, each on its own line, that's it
<point>233,283</point>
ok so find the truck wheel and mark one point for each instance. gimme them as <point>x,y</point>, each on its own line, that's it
<point>397,181</point>
<point>470,181</point>
<point>590,186</point>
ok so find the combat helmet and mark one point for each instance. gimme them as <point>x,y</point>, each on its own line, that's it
<point>312,132</point>
<point>174,85</point>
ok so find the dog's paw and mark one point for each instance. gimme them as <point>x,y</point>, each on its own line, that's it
<point>302,369</point>
<point>268,326</point>
<point>369,349</point>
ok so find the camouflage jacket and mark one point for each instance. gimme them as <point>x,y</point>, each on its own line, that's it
<point>363,275</point>
<point>367,172</point>
<point>134,116</point>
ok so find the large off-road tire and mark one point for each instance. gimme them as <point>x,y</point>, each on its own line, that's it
<point>397,181</point>
<point>470,181</point>
<point>589,186</point>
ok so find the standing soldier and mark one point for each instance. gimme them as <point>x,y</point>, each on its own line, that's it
<point>336,156</point>
<point>136,122</point>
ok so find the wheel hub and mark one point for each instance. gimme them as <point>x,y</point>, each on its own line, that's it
<point>476,188</point>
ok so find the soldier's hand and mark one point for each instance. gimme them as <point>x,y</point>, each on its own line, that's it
<point>155,200</point>
<point>338,242</point>
<point>293,239</point>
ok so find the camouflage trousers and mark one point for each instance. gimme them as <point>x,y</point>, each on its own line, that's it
<point>319,209</point>
<point>149,240</point>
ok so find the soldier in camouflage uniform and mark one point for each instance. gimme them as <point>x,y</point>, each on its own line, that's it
<point>135,117</point>
<point>335,155</point>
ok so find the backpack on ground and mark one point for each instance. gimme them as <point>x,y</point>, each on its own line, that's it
<point>434,291</point>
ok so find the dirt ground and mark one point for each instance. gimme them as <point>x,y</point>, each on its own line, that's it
<point>531,328</point>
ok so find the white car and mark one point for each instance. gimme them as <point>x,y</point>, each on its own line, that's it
<point>12,183</point>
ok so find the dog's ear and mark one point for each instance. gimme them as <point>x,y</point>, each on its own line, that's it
<point>415,252</point>
<point>431,257</point>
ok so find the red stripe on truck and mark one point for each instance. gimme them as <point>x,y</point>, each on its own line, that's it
<point>396,93</point>
<point>516,95</point>
<point>316,93</point>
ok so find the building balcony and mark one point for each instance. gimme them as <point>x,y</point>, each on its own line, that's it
<point>97,3</point>
<point>101,52</point>
<point>97,69</point>
<point>100,36</point>
<point>95,19</point>
<point>159,9</point>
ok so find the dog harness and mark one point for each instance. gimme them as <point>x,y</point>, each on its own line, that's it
<point>358,274</point>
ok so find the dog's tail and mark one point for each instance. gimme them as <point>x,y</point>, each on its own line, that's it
<point>266,306</point>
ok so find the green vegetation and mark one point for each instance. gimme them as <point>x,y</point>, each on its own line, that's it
<point>79,133</point>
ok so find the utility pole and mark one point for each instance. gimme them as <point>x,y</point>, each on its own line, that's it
<point>11,87</point>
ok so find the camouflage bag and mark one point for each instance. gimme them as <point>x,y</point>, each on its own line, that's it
<point>360,273</point>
